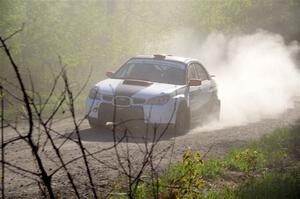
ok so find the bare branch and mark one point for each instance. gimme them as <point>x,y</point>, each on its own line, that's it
<point>90,154</point>
<point>56,78</point>
<point>13,140</point>
<point>13,34</point>
<point>44,176</point>
<point>21,169</point>
<point>2,143</point>
<point>72,111</point>
<point>84,84</point>
<point>209,149</point>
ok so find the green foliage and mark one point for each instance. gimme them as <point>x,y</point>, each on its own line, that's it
<point>104,34</point>
<point>189,180</point>
<point>284,140</point>
<point>278,158</point>
<point>246,160</point>
<point>268,168</point>
<point>211,169</point>
<point>276,150</point>
<point>148,189</point>
<point>143,190</point>
<point>99,33</point>
<point>183,180</point>
<point>271,185</point>
<point>235,16</point>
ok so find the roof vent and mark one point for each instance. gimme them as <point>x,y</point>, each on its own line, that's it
<point>159,56</point>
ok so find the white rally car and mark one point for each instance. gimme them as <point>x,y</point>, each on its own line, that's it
<point>158,90</point>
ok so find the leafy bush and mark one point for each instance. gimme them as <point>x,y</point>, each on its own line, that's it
<point>189,182</point>
<point>244,160</point>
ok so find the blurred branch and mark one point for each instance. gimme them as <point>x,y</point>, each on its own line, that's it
<point>56,78</point>
<point>90,154</point>
<point>72,111</point>
<point>2,142</point>
<point>44,176</point>
<point>21,169</point>
<point>13,34</point>
<point>85,83</point>
<point>208,150</point>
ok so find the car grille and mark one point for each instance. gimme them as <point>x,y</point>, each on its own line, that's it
<point>107,98</point>
<point>121,101</point>
<point>138,100</point>
<point>107,111</point>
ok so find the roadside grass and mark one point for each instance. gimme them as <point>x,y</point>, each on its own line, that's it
<point>268,185</point>
<point>280,184</point>
<point>266,168</point>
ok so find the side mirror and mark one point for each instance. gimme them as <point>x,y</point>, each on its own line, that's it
<point>109,74</point>
<point>195,82</point>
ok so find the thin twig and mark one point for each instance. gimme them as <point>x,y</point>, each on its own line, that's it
<point>2,143</point>
<point>13,34</point>
<point>72,111</point>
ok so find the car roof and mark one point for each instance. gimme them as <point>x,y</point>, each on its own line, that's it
<point>167,58</point>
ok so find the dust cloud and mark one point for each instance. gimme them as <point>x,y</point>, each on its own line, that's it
<point>257,75</point>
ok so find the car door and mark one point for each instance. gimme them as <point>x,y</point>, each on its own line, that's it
<point>197,99</point>
<point>207,85</point>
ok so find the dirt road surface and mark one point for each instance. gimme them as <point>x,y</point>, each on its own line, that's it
<point>105,167</point>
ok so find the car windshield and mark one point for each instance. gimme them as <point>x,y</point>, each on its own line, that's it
<point>161,71</point>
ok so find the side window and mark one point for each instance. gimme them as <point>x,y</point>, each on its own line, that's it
<point>192,72</point>
<point>202,74</point>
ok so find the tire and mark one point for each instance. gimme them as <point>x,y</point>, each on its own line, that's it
<point>96,124</point>
<point>183,120</point>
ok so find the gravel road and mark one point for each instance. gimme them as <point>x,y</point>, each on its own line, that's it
<point>216,139</point>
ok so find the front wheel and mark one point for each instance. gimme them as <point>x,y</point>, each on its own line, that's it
<point>94,124</point>
<point>183,119</point>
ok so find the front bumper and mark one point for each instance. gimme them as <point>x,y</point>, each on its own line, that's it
<point>148,114</point>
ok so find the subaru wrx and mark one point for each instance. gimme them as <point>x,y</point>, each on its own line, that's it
<point>154,90</point>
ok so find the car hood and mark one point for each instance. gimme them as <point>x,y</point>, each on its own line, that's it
<point>135,88</point>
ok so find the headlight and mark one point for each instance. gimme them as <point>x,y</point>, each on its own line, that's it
<point>159,100</point>
<point>95,93</point>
